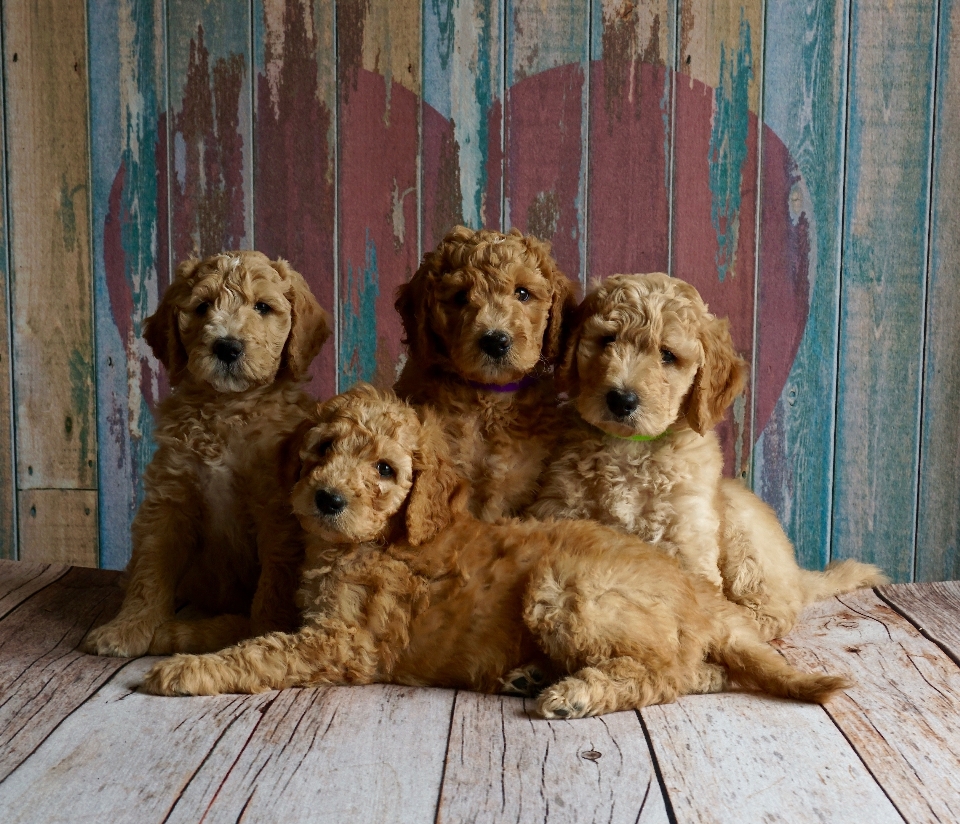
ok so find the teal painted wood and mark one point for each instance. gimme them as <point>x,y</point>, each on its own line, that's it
<point>294,149</point>
<point>211,127</point>
<point>938,518</point>
<point>130,248</point>
<point>883,282</point>
<point>8,503</point>
<point>805,69</point>
<point>546,125</point>
<point>462,116</point>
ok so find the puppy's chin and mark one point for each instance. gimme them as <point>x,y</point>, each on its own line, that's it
<point>485,370</point>
<point>337,531</point>
<point>222,377</point>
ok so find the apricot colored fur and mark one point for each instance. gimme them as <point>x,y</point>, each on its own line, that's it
<point>653,335</point>
<point>215,528</point>
<point>403,585</point>
<point>474,284</point>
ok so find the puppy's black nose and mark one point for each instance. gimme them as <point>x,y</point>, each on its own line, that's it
<point>622,402</point>
<point>496,344</point>
<point>330,502</point>
<point>227,350</point>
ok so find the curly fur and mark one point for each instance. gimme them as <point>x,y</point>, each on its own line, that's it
<point>402,585</point>
<point>652,335</point>
<point>215,528</point>
<point>478,283</point>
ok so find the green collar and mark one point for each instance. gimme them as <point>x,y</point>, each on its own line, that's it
<point>635,437</point>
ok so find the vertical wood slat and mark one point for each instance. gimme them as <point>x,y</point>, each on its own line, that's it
<point>211,127</point>
<point>45,68</point>
<point>715,176</point>
<point>632,63</point>
<point>938,516</point>
<point>294,148</point>
<point>378,55</point>
<point>462,121</point>
<point>805,69</point>
<point>883,283</point>
<point>8,485</point>
<point>131,261</point>
<point>546,121</point>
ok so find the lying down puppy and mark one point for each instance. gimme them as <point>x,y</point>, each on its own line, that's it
<point>402,585</point>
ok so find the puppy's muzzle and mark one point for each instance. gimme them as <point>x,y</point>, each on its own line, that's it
<point>329,502</point>
<point>227,350</point>
<point>495,343</point>
<point>622,402</point>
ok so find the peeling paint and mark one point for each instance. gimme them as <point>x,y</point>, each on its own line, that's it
<point>358,335</point>
<point>396,214</point>
<point>728,147</point>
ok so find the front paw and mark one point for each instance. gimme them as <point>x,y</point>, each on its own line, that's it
<point>119,639</point>
<point>568,698</point>
<point>180,675</point>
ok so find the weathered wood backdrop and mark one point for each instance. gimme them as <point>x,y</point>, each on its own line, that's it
<point>794,160</point>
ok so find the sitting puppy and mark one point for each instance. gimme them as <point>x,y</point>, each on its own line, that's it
<point>237,333</point>
<point>483,317</point>
<point>650,371</point>
<point>401,585</point>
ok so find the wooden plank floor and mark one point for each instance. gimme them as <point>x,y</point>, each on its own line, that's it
<point>80,743</point>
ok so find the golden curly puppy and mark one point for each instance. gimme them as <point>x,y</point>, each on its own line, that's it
<point>237,333</point>
<point>650,371</point>
<point>483,317</point>
<point>402,585</point>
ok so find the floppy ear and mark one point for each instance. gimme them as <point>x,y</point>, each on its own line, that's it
<point>438,493</point>
<point>288,454</point>
<point>721,377</point>
<point>566,374</point>
<point>563,303</point>
<point>412,304</point>
<point>161,330</point>
<point>309,323</point>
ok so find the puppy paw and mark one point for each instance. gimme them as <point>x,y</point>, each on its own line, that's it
<point>568,698</point>
<point>118,639</point>
<point>180,675</point>
<point>527,682</point>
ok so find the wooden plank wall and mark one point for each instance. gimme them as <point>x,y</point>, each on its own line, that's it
<point>794,161</point>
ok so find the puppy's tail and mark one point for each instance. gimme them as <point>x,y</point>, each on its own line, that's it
<point>756,665</point>
<point>838,577</point>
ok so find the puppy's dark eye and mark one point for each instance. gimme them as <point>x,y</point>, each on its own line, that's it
<point>323,448</point>
<point>385,470</point>
<point>262,308</point>
<point>461,297</point>
<point>201,309</point>
<point>606,340</point>
<point>666,356</point>
<point>522,294</point>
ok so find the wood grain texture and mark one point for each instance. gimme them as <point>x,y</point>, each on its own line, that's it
<point>505,765</point>
<point>379,55</point>
<point>211,127</point>
<point>295,147</point>
<point>59,526</point>
<point>934,608</point>
<point>462,128</point>
<point>884,264</point>
<point>546,124</point>
<point>631,131</point>
<point>735,757</point>
<point>131,259</point>
<point>804,94</point>
<point>938,518</point>
<point>715,177</point>
<point>8,485</point>
<point>43,679</point>
<point>125,756</point>
<point>19,580</point>
<point>371,754</point>
<point>45,68</point>
<point>900,715</point>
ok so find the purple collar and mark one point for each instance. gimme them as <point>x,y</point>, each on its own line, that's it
<point>527,380</point>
